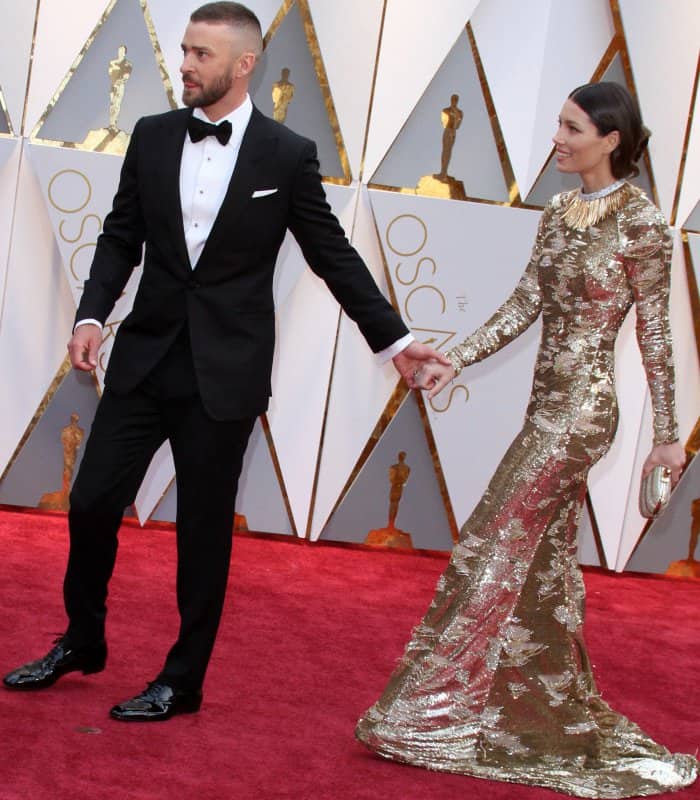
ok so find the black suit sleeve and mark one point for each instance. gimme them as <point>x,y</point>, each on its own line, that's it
<point>119,246</point>
<point>332,258</point>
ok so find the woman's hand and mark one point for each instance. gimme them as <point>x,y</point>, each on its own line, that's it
<point>433,376</point>
<point>671,455</point>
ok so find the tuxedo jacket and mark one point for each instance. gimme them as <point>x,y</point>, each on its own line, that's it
<point>226,301</point>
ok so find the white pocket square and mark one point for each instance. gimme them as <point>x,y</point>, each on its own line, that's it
<point>263,192</point>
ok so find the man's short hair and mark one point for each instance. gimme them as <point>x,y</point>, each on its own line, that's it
<point>234,14</point>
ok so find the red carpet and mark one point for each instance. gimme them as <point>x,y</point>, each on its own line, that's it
<point>309,636</point>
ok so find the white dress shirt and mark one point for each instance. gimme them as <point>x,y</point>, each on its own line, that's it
<point>205,173</point>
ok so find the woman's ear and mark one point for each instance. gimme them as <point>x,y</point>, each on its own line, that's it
<point>613,140</point>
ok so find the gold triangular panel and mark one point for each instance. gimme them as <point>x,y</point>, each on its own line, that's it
<point>290,85</point>
<point>46,462</point>
<point>465,158</point>
<point>396,499</point>
<point>118,76</point>
<point>551,181</point>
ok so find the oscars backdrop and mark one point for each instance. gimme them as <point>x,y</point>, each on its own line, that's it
<point>434,134</point>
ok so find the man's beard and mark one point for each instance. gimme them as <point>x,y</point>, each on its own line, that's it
<point>211,94</point>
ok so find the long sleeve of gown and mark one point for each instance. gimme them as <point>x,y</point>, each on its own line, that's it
<point>515,316</point>
<point>648,267</point>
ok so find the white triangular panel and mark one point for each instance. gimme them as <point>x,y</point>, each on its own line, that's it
<point>10,150</point>
<point>59,38</point>
<point>78,189</point>
<point>360,388</point>
<point>37,313</point>
<point>155,483</point>
<point>17,30</point>
<point>568,63</point>
<point>690,188</point>
<point>414,44</point>
<point>662,40</point>
<point>532,62</point>
<point>342,57</point>
<point>687,405</point>
<point>452,264</point>
<point>306,333</point>
<point>511,38</point>
<point>609,482</point>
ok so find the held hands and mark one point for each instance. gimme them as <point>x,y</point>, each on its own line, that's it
<point>434,377</point>
<point>671,455</point>
<point>411,360</point>
<point>84,345</point>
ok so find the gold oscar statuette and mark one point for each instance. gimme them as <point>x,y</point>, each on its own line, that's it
<point>391,536</point>
<point>282,94</point>
<point>689,567</point>
<point>71,437</point>
<point>112,139</point>
<point>442,184</point>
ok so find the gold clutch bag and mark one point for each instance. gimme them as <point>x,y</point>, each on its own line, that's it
<point>655,492</point>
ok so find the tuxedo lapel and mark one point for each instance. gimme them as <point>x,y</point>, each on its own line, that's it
<point>171,142</point>
<point>258,145</point>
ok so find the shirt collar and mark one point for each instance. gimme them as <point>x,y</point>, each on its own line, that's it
<point>239,119</point>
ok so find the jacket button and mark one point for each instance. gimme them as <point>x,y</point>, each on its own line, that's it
<point>194,284</point>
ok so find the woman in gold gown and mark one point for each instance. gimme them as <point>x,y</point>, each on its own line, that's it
<point>495,681</point>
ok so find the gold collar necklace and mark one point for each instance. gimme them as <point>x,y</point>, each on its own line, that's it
<point>583,210</point>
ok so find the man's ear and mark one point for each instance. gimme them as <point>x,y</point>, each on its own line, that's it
<point>246,65</point>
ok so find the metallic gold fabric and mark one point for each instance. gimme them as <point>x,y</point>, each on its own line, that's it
<point>496,681</point>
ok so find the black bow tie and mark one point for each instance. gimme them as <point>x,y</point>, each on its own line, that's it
<point>198,129</point>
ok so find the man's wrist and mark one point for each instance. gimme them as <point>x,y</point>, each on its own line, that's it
<point>87,322</point>
<point>394,349</point>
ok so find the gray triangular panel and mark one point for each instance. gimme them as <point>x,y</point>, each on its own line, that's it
<point>421,511</point>
<point>306,112</point>
<point>418,148</point>
<point>4,120</point>
<point>37,472</point>
<point>260,498</point>
<point>694,247</point>
<point>551,181</point>
<point>587,548</point>
<point>667,540</point>
<point>84,103</point>
<point>693,221</point>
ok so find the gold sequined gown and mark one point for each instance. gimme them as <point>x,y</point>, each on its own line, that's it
<point>496,681</point>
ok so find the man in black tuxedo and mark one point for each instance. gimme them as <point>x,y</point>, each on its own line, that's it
<point>192,361</point>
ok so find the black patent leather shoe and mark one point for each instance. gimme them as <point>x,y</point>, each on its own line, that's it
<point>61,659</point>
<point>157,702</point>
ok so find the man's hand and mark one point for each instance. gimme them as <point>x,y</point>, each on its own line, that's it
<point>410,360</point>
<point>84,345</point>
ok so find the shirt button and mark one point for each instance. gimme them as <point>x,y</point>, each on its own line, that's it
<point>201,191</point>
<point>196,224</point>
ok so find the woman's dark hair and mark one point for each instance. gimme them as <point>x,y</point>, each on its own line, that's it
<point>611,107</point>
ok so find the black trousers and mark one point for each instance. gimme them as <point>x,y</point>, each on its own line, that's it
<point>208,454</point>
